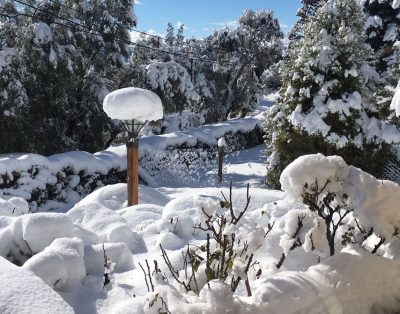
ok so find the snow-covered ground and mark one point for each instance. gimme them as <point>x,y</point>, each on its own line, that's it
<point>90,259</point>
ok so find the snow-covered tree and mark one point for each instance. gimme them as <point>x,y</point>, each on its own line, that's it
<point>244,54</point>
<point>180,36</point>
<point>383,30</point>
<point>307,10</point>
<point>326,102</point>
<point>382,26</point>
<point>170,36</point>
<point>70,50</point>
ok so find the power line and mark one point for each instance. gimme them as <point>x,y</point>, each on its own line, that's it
<point>133,30</point>
<point>124,41</point>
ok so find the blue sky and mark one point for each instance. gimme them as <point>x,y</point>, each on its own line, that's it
<point>200,17</point>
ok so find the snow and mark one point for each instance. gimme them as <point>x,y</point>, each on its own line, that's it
<point>333,286</point>
<point>115,196</point>
<point>107,224</point>
<point>374,201</point>
<point>70,257</point>
<point>60,265</point>
<point>22,292</point>
<point>51,169</point>
<point>118,253</point>
<point>133,103</point>
<point>395,105</point>
<point>221,142</point>
<point>313,170</point>
<point>396,4</point>
<point>42,33</point>
<point>32,226</point>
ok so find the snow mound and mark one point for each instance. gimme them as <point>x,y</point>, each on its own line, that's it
<point>138,217</point>
<point>15,206</point>
<point>60,265</point>
<point>118,253</point>
<point>40,229</point>
<point>115,196</point>
<point>107,224</point>
<point>88,237</point>
<point>337,285</point>
<point>22,292</point>
<point>133,103</point>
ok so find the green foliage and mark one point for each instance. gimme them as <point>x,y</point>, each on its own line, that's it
<point>326,99</point>
<point>70,69</point>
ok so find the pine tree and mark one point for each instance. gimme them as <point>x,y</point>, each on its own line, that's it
<point>383,30</point>
<point>326,102</point>
<point>307,10</point>
<point>170,36</point>
<point>180,38</point>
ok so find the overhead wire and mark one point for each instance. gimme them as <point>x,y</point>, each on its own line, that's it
<point>133,30</point>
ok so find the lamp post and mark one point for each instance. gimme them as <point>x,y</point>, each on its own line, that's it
<point>132,168</point>
<point>135,107</point>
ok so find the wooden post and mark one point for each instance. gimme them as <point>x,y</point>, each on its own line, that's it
<point>221,152</point>
<point>136,173</point>
<point>132,172</point>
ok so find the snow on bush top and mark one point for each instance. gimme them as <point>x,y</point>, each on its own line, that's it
<point>309,169</point>
<point>375,202</point>
<point>133,103</point>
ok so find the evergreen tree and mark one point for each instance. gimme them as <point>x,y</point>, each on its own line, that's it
<point>383,30</point>
<point>326,102</point>
<point>244,54</point>
<point>382,23</point>
<point>170,36</point>
<point>70,50</point>
<point>180,37</point>
<point>307,10</point>
<point>13,97</point>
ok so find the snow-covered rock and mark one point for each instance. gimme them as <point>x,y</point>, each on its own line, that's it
<point>118,253</point>
<point>22,292</point>
<point>133,103</point>
<point>60,265</point>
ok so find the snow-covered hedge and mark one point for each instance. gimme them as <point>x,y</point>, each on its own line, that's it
<point>47,182</point>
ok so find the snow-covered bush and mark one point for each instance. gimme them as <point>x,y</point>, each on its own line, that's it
<point>118,253</point>
<point>326,101</point>
<point>345,205</point>
<point>228,252</point>
<point>60,264</point>
<point>48,182</point>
